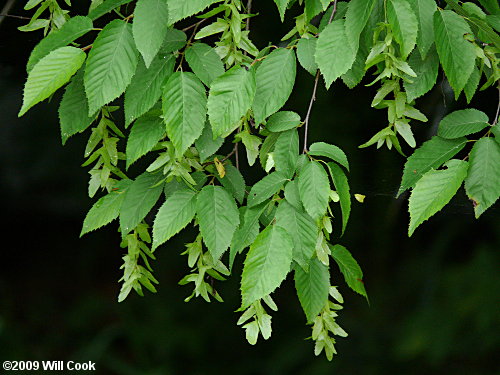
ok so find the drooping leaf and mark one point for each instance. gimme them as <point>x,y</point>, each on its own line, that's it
<point>231,96</point>
<point>105,7</point>
<point>266,265</point>
<point>482,184</point>
<point>73,110</point>
<point>204,62</point>
<point>404,24</point>
<point>74,28</point>
<point>206,145</point>
<point>282,5</point>
<point>282,121</point>
<point>461,123</point>
<point>358,14</point>
<point>357,71</point>
<point>233,181</point>
<point>432,154</point>
<point>140,198</point>
<point>173,216</point>
<point>265,188</point>
<point>434,190</point>
<point>426,71</point>
<point>329,151</point>
<point>457,55</point>
<point>49,74</point>
<point>292,195</point>
<point>106,209</point>
<point>351,270</point>
<point>275,78</point>
<point>146,86</point>
<point>472,84</point>
<point>218,218</point>
<point>342,186</point>
<point>314,189</point>
<point>312,288</point>
<point>424,10</point>
<point>184,109</point>
<point>335,52</point>
<point>313,8</point>
<point>149,27</point>
<point>178,10</point>
<point>306,48</point>
<point>111,64</point>
<point>174,41</point>
<point>491,6</point>
<point>144,135</point>
<point>301,229</point>
<point>286,152</point>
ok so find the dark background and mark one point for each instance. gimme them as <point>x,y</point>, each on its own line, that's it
<point>434,297</point>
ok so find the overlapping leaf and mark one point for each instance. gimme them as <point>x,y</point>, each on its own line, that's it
<point>144,135</point>
<point>314,189</point>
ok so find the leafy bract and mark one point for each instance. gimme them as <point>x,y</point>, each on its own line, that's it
<point>342,186</point>
<point>482,184</point>
<point>230,97</point>
<point>265,188</point>
<point>314,189</point>
<point>404,25</point>
<point>424,10</point>
<point>49,74</point>
<point>178,10</point>
<point>140,198</point>
<point>282,121</point>
<point>434,190</point>
<point>335,52</point>
<point>204,62</point>
<point>312,288</point>
<point>184,109</point>
<point>144,135</point>
<point>349,268</point>
<point>149,27</point>
<point>457,55</point>
<point>106,209</point>
<point>275,78</point>
<point>432,154</point>
<point>461,123</point>
<point>111,64</point>
<point>286,152</point>
<point>266,265</point>
<point>218,218</point>
<point>177,212</point>
<point>73,29</point>
<point>301,229</point>
<point>329,151</point>
<point>146,86</point>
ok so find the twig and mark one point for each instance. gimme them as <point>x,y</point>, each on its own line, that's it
<point>13,16</point>
<point>196,25</point>
<point>249,10</point>
<point>333,12</point>
<point>5,11</point>
<point>498,107</point>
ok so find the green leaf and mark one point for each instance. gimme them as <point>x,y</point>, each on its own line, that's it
<point>31,4</point>
<point>301,229</point>
<point>184,110</point>
<point>426,71</point>
<point>404,25</point>
<point>286,152</point>
<point>174,41</point>
<point>111,64</point>
<point>312,288</point>
<point>144,135</point>
<point>482,184</point>
<point>106,7</point>
<point>358,14</point>
<point>149,27</point>
<point>357,71</point>
<point>146,86</point>
<point>282,5</point>
<point>106,209</point>
<point>73,110</point>
<point>206,144</point>
<point>472,84</point>
<point>49,74</point>
<point>204,62</point>
<point>173,216</point>
<point>335,52</point>
<point>457,55</point>
<point>266,188</point>
<point>282,121</point>
<point>218,218</point>
<point>230,97</point>
<point>432,154</point>
<point>292,195</point>
<point>494,21</point>
<point>178,10</point>
<point>314,189</point>
<point>141,196</point>
<point>424,10</point>
<point>491,6</point>
<point>275,78</point>
<point>73,29</point>
<point>342,186</point>
<point>434,190</point>
<point>306,48</point>
<point>329,151</point>
<point>353,274</point>
<point>461,123</point>
<point>266,265</point>
<point>233,181</point>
